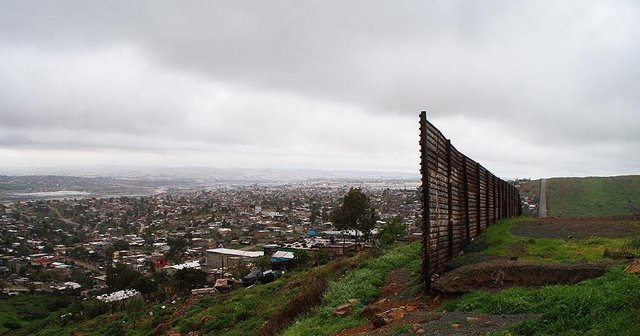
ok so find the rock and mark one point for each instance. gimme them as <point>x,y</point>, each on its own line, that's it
<point>369,311</point>
<point>381,301</point>
<point>380,320</point>
<point>343,310</point>
<point>410,309</point>
<point>633,267</point>
<point>387,317</point>
<point>396,313</point>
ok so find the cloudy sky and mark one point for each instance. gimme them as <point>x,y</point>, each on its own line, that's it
<point>528,89</point>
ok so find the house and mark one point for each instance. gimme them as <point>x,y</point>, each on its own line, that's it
<point>224,257</point>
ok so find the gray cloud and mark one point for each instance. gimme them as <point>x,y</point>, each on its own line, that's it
<point>554,84</point>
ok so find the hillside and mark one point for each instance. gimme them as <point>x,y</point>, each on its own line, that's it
<point>594,196</point>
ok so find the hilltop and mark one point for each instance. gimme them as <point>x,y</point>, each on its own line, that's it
<point>590,196</point>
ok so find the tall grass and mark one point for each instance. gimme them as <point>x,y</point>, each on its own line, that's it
<point>608,305</point>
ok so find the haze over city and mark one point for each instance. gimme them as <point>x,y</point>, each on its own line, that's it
<point>528,89</point>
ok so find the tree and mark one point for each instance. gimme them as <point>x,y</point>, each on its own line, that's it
<point>187,279</point>
<point>121,276</point>
<point>263,262</point>
<point>177,246</point>
<point>391,231</point>
<point>120,245</point>
<point>355,213</point>
<point>315,212</point>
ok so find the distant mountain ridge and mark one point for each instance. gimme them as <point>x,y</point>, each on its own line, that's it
<point>209,174</point>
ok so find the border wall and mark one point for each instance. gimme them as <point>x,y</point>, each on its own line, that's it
<point>460,199</point>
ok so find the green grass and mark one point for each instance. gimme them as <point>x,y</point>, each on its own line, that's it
<point>261,309</point>
<point>498,237</point>
<point>363,284</point>
<point>594,196</point>
<point>608,305</point>
<point>499,241</point>
<point>23,311</point>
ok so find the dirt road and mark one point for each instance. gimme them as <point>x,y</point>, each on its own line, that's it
<point>542,211</point>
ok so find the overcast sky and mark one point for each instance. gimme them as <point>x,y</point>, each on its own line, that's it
<point>528,89</point>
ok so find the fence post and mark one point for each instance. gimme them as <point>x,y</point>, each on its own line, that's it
<point>495,199</point>
<point>449,202</point>
<point>466,199</point>
<point>426,215</point>
<point>478,228</point>
<point>486,198</point>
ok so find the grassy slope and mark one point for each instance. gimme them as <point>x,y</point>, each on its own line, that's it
<point>499,241</point>
<point>594,196</point>
<point>241,312</point>
<point>24,310</point>
<point>608,305</point>
<point>363,284</point>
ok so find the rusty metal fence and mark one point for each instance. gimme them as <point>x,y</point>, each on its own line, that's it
<point>460,198</point>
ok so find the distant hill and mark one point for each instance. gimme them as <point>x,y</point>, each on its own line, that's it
<point>593,196</point>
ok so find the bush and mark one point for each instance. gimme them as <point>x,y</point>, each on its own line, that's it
<point>12,325</point>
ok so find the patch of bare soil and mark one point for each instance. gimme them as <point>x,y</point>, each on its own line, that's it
<point>499,274</point>
<point>452,323</point>
<point>395,295</point>
<point>416,316</point>
<point>565,228</point>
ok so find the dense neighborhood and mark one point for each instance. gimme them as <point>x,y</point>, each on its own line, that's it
<point>74,246</point>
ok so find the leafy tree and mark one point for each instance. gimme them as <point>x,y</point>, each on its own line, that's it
<point>121,276</point>
<point>79,253</point>
<point>391,231</point>
<point>239,269</point>
<point>178,246</point>
<point>300,258</point>
<point>263,262</point>
<point>355,213</point>
<point>144,285</point>
<point>315,212</point>
<point>120,245</point>
<point>187,279</point>
<point>48,248</point>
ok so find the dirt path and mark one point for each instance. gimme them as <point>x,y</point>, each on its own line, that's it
<point>542,210</point>
<point>452,324</point>
<point>418,316</point>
